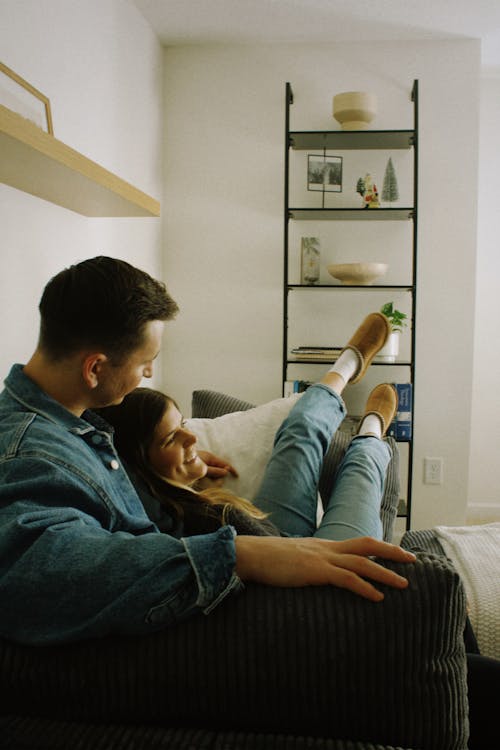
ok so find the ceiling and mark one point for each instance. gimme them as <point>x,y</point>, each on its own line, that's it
<point>250,21</point>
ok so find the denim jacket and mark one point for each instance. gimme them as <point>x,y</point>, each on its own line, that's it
<point>78,555</point>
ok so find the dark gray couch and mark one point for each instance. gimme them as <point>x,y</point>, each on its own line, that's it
<point>280,669</point>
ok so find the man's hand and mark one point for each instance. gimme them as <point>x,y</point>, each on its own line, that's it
<point>284,561</point>
<point>217,467</point>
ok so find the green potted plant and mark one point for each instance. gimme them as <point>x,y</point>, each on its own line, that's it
<point>397,319</point>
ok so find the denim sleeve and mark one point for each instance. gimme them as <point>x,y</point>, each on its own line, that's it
<point>64,577</point>
<point>207,557</point>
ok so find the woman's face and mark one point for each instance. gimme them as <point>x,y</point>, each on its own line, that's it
<point>172,453</point>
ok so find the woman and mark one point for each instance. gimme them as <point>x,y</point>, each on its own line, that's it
<point>151,438</point>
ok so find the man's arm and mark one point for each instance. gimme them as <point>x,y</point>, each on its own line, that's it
<point>77,563</point>
<point>279,561</point>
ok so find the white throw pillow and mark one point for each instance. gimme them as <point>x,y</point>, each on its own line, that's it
<point>244,439</point>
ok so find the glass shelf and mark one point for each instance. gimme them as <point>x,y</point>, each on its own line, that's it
<point>302,140</point>
<point>398,363</point>
<point>350,287</point>
<point>351,214</point>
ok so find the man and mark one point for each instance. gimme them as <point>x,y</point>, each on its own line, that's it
<point>78,555</point>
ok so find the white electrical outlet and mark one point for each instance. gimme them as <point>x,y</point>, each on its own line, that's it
<point>433,470</point>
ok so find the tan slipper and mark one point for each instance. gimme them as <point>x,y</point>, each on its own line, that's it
<point>382,401</point>
<point>368,340</point>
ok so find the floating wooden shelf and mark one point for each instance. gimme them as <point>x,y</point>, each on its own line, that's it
<point>37,163</point>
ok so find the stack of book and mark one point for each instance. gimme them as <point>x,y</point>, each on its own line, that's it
<point>316,353</point>
<point>400,427</point>
<point>295,386</point>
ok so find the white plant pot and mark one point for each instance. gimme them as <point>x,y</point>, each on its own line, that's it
<point>390,350</point>
<point>354,110</point>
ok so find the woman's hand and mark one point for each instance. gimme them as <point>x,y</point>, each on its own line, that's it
<point>217,467</point>
<point>279,561</point>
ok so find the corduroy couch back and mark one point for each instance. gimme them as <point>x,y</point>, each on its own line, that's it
<point>269,669</point>
<point>315,662</point>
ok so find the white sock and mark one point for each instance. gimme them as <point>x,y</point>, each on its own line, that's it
<point>371,425</point>
<point>347,365</point>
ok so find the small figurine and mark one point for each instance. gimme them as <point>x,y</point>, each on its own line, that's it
<point>371,193</point>
<point>360,187</point>
<point>368,191</point>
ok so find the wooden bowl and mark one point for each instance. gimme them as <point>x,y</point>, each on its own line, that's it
<point>357,273</point>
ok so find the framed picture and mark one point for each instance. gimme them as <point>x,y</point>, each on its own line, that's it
<point>324,173</point>
<point>21,97</point>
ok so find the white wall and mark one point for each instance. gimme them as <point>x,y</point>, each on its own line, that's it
<point>224,143</point>
<point>101,67</point>
<point>484,489</point>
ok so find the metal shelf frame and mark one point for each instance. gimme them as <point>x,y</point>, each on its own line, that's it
<point>353,140</point>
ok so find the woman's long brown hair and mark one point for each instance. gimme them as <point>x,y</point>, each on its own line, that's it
<point>134,422</point>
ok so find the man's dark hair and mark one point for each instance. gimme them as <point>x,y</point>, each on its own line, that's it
<point>103,303</point>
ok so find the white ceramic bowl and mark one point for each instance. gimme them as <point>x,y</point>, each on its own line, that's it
<point>354,110</point>
<point>357,273</point>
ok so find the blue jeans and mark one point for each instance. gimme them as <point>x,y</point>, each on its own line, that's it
<point>289,489</point>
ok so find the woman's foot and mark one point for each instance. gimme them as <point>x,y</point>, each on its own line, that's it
<point>367,341</point>
<point>359,352</point>
<point>380,410</point>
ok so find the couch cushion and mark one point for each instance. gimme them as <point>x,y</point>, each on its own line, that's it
<point>245,439</point>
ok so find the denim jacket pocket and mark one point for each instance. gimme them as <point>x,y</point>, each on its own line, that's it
<point>167,611</point>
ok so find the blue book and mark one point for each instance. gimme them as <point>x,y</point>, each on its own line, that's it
<point>400,428</point>
<point>295,386</point>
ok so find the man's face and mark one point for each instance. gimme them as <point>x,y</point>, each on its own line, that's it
<point>116,381</point>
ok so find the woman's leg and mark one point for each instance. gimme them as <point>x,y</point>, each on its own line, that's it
<point>353,508</point>
<point>289,489</point>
